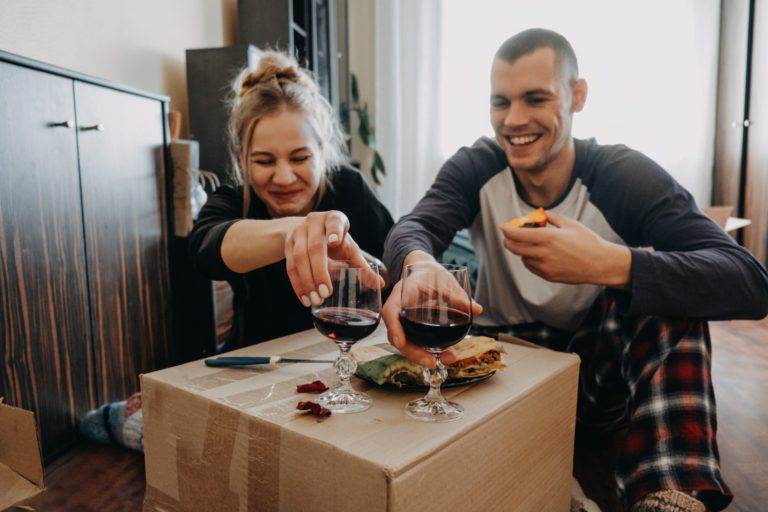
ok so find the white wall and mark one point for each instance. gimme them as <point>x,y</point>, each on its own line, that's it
<point>140,43</point>
<point>362,63</point>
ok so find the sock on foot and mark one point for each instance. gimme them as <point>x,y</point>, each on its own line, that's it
<point>117,422</point>
<point>668,501</point>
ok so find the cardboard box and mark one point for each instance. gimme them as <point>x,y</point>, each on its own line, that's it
<point>722,217</point>
<point>231,439</point>
<point>21,467</point>
<point>719,214</point>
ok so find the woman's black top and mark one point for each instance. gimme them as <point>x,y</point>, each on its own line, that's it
<point>265,306</point>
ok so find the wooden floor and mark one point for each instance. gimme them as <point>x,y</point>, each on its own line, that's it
<point>93,478</point>
<point>106,478</point>
<point>740,373</point>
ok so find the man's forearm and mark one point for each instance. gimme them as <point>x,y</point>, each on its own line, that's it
<point>405,238</point>
<point>722,283</point>
<point>618,264</point>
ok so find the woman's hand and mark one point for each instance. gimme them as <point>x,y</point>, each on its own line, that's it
<point>321,236</point>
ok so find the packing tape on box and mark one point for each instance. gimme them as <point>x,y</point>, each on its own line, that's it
<point>204,477</point>
<point>276,392</point>
<point>229,375</point>
<point>246,446</point>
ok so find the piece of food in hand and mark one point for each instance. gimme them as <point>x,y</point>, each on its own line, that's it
<point>536,219</point>
<point>314,409</point>
<point>477,356</point>
<point>313,387</point>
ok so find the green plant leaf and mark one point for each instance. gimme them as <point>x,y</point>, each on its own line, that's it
<point>364,127</point>
<point>378,166</point>
<point>378,162</point>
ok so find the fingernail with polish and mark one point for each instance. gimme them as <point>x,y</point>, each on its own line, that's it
<point>332,239</point>
<point>324,292</point>
<point>305,301</point>
<point>315,298</point>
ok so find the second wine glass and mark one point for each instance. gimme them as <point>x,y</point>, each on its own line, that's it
<point>436,314</point>
<point>348,315</point>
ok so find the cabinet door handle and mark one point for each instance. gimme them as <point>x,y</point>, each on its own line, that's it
<point>63,124</point>
<point>97,127</point>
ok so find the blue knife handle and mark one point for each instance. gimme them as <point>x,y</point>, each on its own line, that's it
<point>236,361</point>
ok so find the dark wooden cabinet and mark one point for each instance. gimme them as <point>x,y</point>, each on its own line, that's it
<point>84,268</point>
<point>45,338</point>
<point>124,212</point>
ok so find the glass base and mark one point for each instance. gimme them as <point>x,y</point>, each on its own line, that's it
<point>434,411</point>
<point>344,400</point>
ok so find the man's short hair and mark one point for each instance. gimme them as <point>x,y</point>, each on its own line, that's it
<point>532,39</point>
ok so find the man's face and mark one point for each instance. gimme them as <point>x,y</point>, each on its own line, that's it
<point>532,108</point>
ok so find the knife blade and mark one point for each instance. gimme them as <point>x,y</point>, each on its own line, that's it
<point>245,360</point>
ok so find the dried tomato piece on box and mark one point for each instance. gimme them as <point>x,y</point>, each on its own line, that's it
<point>314,409</point>
<point>313,387</point>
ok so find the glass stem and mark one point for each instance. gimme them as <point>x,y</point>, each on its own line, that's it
<point>435,379</point>
<point>345,365</point>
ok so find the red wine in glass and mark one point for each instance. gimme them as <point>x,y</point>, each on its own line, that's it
<point>436,314</point>
<point>433,327</point>
<point>345,324</point>
<point>349,314</point>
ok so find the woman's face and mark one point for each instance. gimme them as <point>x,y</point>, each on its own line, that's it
<point>283,165</point>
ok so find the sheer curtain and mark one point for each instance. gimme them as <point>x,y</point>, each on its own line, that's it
<point>651,68</point>
<point>408,98</point>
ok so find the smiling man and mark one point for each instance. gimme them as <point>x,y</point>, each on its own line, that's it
<point>626,276</point>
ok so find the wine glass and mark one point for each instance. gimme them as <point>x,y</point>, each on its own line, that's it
<point>348,315</point>
<point>436,314</point>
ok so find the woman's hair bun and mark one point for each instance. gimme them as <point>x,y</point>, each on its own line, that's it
<point>274,69</point>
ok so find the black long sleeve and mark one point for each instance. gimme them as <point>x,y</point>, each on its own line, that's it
<point>265,304</point>
<point>696,269</point>
<point>224,208</point>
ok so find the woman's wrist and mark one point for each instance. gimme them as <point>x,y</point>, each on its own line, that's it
<point>287,225</point>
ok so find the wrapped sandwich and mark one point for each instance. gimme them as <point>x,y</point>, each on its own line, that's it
<point>477,356</point>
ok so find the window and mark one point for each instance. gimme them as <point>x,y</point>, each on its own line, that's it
<point>651,68</point>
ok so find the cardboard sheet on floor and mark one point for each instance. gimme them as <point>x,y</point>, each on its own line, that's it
<point>21,467</point>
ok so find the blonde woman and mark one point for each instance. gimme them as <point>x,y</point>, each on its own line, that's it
<point>299,204</point>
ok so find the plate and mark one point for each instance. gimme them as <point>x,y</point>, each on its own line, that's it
<point>450,383</point>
